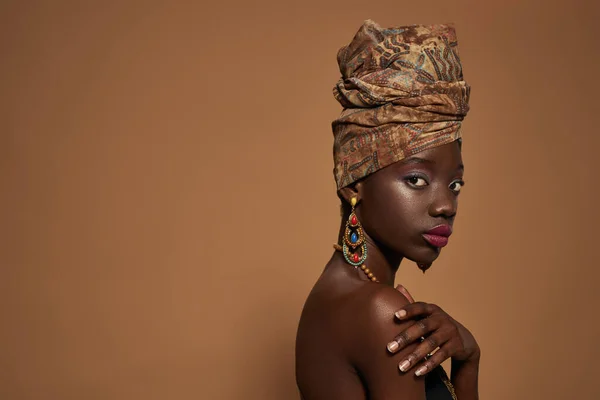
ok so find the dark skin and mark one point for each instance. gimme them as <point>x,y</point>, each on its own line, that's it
<point>355,334</point>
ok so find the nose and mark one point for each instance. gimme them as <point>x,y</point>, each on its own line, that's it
<point>444,204</point>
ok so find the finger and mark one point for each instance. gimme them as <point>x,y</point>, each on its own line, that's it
<point>445,352</point>
<point>413,333</point>
<point>403,290</point>
<point>415,310</point>
<point>431,343</point>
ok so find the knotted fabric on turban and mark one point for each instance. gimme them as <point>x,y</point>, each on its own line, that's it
<point>402,90</point>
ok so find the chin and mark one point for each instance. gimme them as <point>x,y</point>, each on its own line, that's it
<point>426,255</point>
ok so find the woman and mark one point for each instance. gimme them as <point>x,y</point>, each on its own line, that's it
<point>399,171</point>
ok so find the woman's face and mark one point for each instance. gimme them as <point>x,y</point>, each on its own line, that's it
<point>409,206</point>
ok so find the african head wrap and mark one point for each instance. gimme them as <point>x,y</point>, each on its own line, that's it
<point>402,90</point>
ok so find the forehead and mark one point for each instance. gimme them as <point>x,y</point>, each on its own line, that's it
<point>448,154</point>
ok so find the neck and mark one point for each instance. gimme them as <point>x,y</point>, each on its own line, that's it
<point>381,261</point>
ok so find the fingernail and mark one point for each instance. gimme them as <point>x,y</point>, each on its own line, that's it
<point>392,346</point>
<point>421,370</point>
<point>404,366</point>
<point>400,314</point>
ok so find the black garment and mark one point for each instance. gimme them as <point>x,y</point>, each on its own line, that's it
<point>436,385</point>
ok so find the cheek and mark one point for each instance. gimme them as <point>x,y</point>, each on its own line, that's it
<point>392,211</point>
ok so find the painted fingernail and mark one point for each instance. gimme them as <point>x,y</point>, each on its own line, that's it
<point>392,346</point>
<point>421,370</point>
<point>404,366</point>
<point>400,314</point>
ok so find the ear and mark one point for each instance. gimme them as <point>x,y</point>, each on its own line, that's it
<point>352,191</point>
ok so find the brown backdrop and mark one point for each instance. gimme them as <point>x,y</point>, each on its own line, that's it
<point>168,201</point>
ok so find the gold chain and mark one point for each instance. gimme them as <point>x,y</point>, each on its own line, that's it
<point>447,382</point>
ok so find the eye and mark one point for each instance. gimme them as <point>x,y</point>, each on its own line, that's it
<point>417,181</point>
<point>456,186</point>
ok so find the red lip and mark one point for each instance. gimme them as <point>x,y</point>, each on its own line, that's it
<point>438,236</point>
<point>440,230</point>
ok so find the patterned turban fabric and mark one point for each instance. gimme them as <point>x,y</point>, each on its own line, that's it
<point>402,90</point>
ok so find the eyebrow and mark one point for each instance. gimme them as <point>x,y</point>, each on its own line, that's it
<point>418,160</point>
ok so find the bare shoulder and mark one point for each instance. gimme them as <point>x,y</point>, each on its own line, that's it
<point>384,301</point>
<point>343,338</point>
<point>376,320</point>
<point>376,327</point>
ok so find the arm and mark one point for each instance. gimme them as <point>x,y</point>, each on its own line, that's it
<point>454,340</point>
<point>377,367</point>
<point>465,377</point>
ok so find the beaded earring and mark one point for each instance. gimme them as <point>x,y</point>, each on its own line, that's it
<point>355,247</point>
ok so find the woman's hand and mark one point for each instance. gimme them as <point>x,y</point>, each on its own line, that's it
<point>438,330</point>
